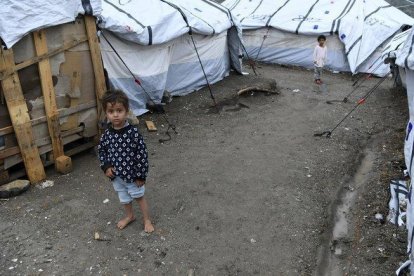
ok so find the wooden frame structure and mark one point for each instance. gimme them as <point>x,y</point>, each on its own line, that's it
<point>22,124</point>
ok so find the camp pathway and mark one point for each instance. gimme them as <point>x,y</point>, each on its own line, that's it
<point>248,191</point>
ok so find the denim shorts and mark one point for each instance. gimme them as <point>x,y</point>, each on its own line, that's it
<point>127,191</point>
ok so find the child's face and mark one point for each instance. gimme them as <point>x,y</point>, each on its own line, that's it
<point>116,114</point>
<point>321,42</point>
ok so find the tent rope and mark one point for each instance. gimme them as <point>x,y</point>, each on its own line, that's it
<point>170,125</point>
<point>202,67</point>
<point>358,85</point>
<point>261,45</point>
<point>361,101</point>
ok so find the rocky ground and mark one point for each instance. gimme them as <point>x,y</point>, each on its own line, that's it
<point>244,190</point>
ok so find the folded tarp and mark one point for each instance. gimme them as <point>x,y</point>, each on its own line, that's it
<point>361,25</point>
<point>19,17</point>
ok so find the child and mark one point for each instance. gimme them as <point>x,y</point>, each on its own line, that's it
<point>123,157</point>
<point>319,58</point>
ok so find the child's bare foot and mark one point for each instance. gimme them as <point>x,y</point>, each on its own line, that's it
<point>124,222</point>
<point>148,227</point>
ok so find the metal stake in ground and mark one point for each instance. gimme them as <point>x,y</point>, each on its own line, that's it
<point>328,133</point>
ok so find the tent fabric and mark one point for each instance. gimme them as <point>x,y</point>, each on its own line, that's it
<point>405,57</point>
<point>155,39</point>
<point>172,66</point>
<point>361,25</point>
<point>19,17</point>
<point>155,22</point>
<point>395,45</point>
<point>288,48</point>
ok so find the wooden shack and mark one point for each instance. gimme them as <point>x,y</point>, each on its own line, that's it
<point>50,83</point>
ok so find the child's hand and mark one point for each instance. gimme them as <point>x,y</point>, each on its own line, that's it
<point>110,172</point>
<point>140,182</point>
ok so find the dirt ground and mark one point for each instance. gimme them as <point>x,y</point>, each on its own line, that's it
<point>239,192</point>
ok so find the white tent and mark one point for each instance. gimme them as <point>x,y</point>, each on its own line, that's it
<point>285,31</point>
<point>405,60</point>
<point>153,39</point>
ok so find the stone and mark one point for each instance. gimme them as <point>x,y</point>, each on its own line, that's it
<point>14,188</point>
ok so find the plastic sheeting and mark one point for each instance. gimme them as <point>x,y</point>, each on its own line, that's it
<point>361,25</point>
<point>19,17</point>
<point>172,66</point>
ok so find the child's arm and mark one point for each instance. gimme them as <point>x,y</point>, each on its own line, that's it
<point>106,165</point>
<point>314,56</point>
<point>141,159</point>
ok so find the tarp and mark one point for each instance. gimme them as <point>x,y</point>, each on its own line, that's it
<point>361,25</point>
<point>19,17</point>
<point>154,39</point>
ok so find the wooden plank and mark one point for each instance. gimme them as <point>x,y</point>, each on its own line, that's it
<point>150,126</point>
<point>63,112</point>
<point>49,96</point>
<point>74,95</point>
<point>39,142</point>
<point>9,152</point>
<point>7,72</point>
<point>19,115</point>
<point>100,85</point>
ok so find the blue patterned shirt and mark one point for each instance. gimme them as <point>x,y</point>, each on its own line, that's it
<point>124,150</point>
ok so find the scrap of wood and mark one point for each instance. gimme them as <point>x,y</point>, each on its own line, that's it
<point>49,96</point>
<point>19,115</point>
<point>66,46</point>
<point>150,126</point>
<point>256,89</point>
<point>98,69</point>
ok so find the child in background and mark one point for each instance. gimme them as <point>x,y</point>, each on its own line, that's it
<point>319,58</point>
<point>124,158</point>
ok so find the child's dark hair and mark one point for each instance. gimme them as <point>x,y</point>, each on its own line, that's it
<point>113,97</point>
<point>321,37</point>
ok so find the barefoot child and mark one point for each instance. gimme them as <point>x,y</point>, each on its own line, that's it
<point>123,157</point>
<point>319,58</point>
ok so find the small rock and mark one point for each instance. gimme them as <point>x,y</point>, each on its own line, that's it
<point>252,240</point>
<point>191,272</point>
<point>11,268</point>
<point>309,175</point>
<point>106,201</point>
<point>97,236</point>
<point>40,270</point>
<point>46,184</point>
<point>14,260</point>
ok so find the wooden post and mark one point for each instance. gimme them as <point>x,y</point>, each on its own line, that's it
<point>19,115</point>
<point>49,96</point>
<point>100,85</point>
